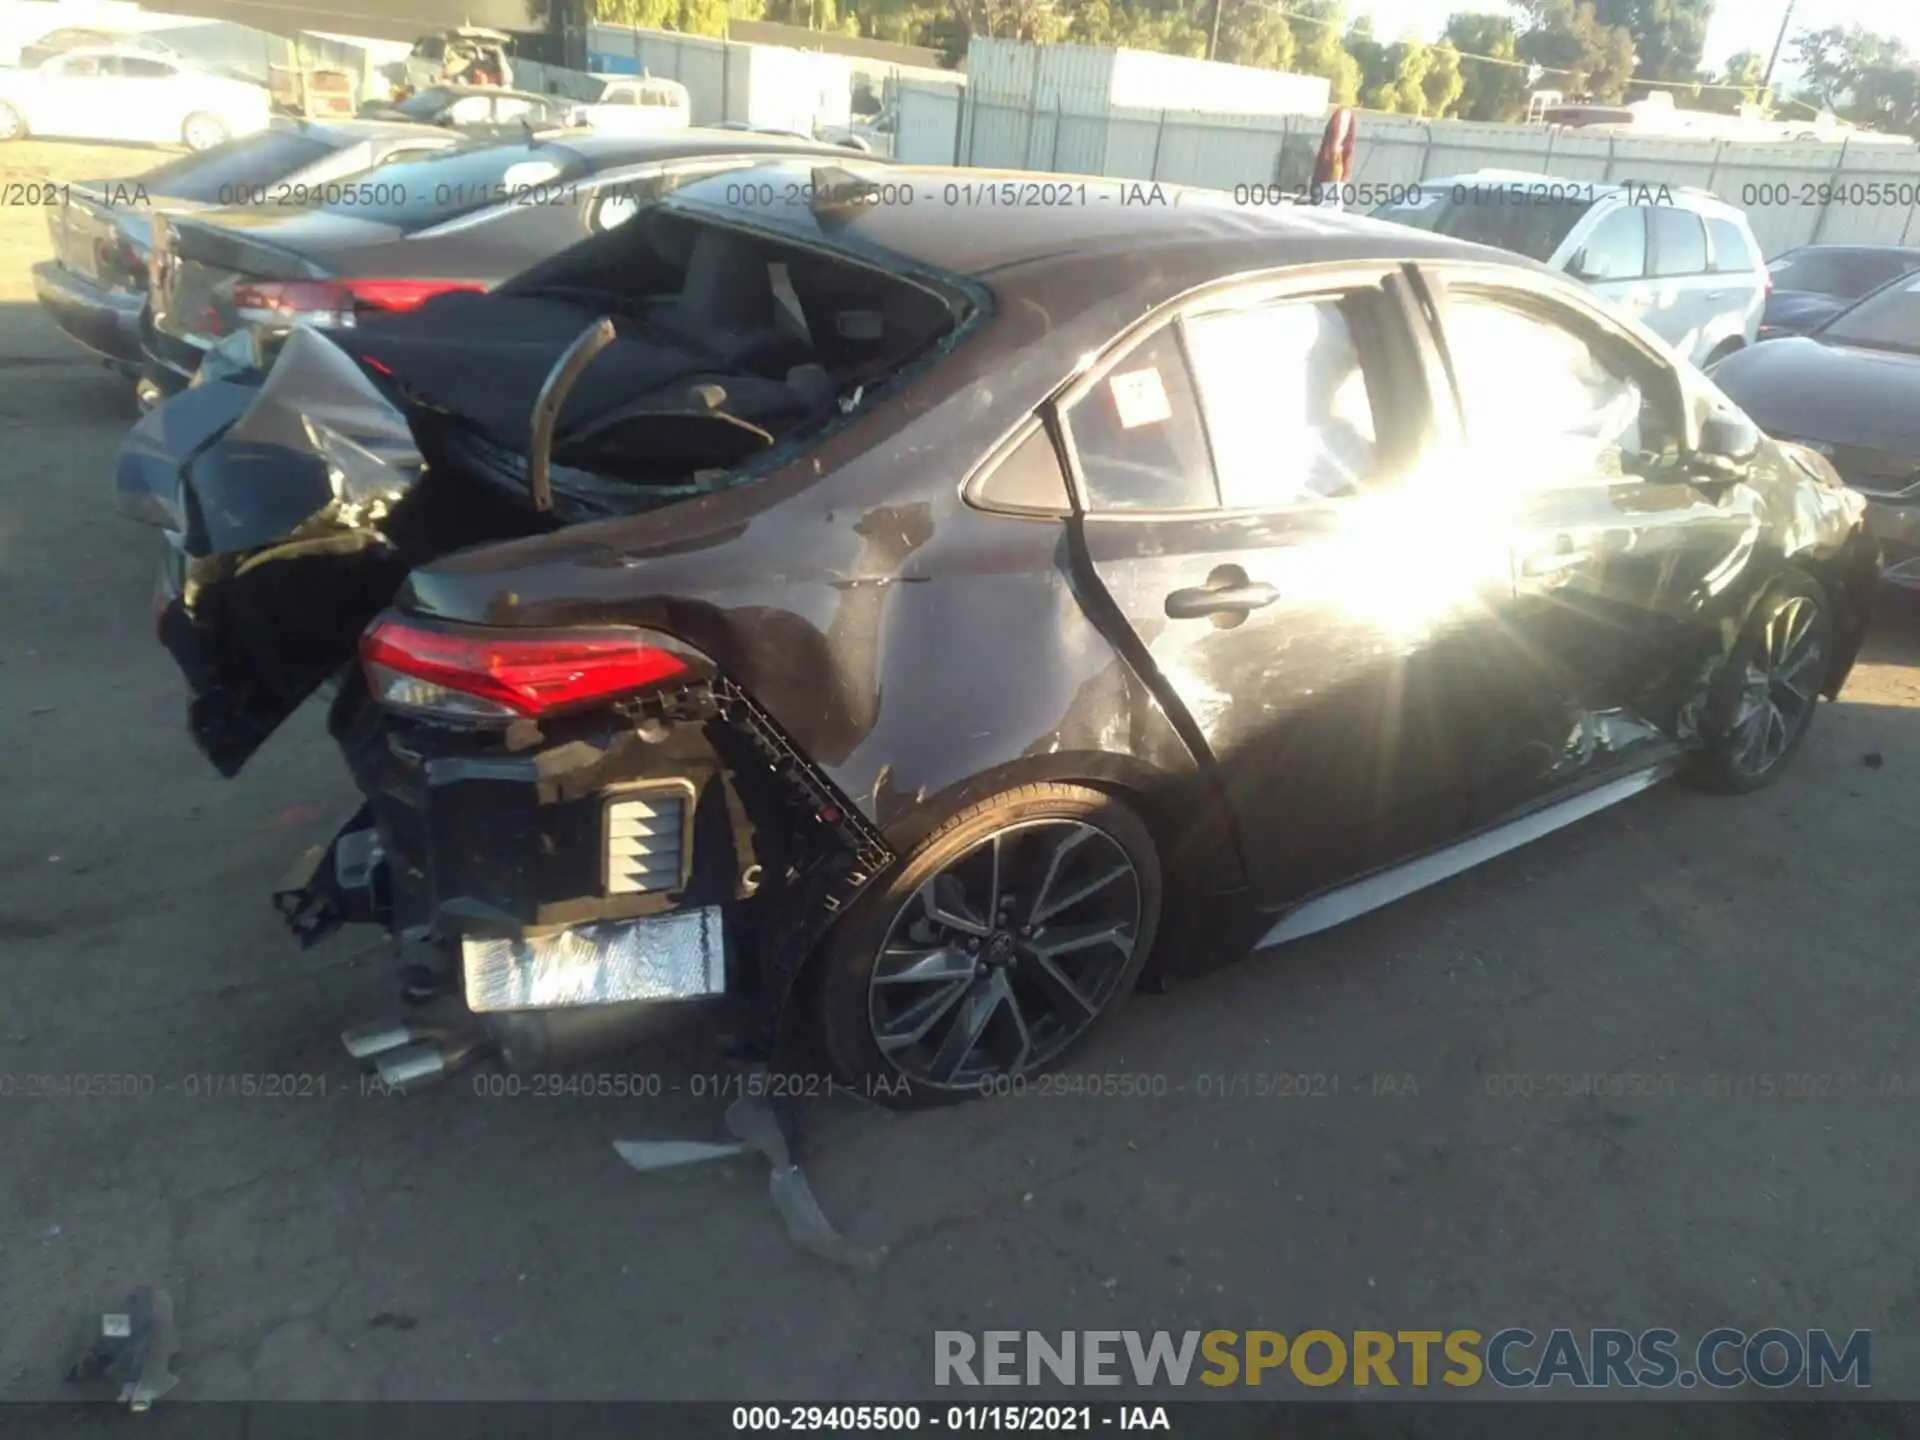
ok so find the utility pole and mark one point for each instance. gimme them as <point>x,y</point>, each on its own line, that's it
<point>1213,35</point>
<point>1766,80</point>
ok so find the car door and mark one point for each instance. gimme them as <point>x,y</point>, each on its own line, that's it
<point>1248,483</point>
<point>1612,260</point>
<point>152,98</point>
<point>1738,295</point>
<point>71,99</point>
<point>1677,250</point>
<point>1578,434</point>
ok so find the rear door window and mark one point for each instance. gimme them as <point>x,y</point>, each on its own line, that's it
<point>1285,402</point>
<point>1138,436</point>
<point>1679,241</point>
<point>1617,249</point>
<point>1730,248</point>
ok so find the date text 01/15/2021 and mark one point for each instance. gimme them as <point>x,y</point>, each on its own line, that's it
<point>951,1419</point>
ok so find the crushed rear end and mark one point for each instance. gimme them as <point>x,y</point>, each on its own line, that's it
<point>565,828</point>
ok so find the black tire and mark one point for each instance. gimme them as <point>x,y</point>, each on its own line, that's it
<point>1721,352</point>
<point>1066,837</point>
<point>201,132</point>
<point>1764,707</point>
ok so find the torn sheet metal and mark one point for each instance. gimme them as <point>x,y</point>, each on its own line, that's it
<point>759,1124</point>
<point>127,1354</point>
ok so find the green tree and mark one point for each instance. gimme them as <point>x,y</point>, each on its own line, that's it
<point>1669,36</point>
<point>1318,49</point>
<point>1444,83</point>
<point>1489,91</point>
<point>1254,33</point>
<point>1581,55</point>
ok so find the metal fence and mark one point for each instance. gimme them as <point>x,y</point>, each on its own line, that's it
<point>1795,193</point>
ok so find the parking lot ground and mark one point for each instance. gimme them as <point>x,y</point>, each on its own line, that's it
<point>454,1244</point>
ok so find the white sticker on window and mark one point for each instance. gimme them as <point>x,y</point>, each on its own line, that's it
<point>1914,288</point>
<point>1140,398</point>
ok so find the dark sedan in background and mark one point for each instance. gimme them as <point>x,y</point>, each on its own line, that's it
<point>1814,283</point>
<point>1851,390</point>
<point>463,218</point>
<point>95,286</point>
<point>822,587</point>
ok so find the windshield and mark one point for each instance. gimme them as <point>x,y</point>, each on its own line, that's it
<point>1848,274</point>
<point>1526,226</point>
<point>252,160</point>
<point>1888,319</point>
<point>413,193</point>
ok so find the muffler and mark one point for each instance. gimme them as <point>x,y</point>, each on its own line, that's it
<point>537,1040</point>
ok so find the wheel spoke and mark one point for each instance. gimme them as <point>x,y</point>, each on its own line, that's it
<point>968,1026</point>
<point>944,899</point>
<point>1776,733</point>
<point>945,963</point>
<point>1025,1052</point>
<point>913,1023</point>
<point>1072,1006</point>
<point>1084,890</point>
<point>1061,939</point>
<point>1074,840</point>
<point>1799,617</point>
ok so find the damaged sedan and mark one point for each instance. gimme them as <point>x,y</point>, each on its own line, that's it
<point>914,625</point>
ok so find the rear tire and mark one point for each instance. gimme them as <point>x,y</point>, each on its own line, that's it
<point>13,125</point>
<point>1765,704</point>
<point>993,950</point>
<point>202,132</point>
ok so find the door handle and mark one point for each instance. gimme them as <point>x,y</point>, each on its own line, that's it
<point>1716,294</point>
<point>1231,594</point>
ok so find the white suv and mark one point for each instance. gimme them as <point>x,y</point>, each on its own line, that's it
<point>1679,260</point>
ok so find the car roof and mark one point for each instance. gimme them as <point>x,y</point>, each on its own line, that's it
<point>1845,249</point>
<point>462,90</point>
<point>1685,196</point>
<point>604,147</point>
<point>349,131</point>
<point>951,226</point>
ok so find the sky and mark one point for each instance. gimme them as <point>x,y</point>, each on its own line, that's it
<point>1737,24</point>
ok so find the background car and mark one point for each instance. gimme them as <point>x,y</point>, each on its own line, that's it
<point>1851,390</point>
<point>1679,260</point>
<point>463,218</point>
<point>95,286</point>
<point>1814,283</point>
<point>130,95</point>
<point>920,612</point>
<point>475,109</point>
<point>59,42</point>
<point>631,105</point>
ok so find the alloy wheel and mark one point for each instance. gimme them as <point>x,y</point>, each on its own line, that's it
<point>203,133</point>
<point>1005,956</point>
<point>11,127</point>
<point>1778,689</point>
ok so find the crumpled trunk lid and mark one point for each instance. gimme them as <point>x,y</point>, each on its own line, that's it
<point>294,508</point>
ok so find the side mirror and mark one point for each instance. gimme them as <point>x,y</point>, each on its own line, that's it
<point>1584,267</point>
<point>1726,446</point>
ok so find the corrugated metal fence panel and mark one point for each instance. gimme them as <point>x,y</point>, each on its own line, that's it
<point>927,122</point>
<point>714,72</point>
<point>1217,151</point>
<point>1179,82</point>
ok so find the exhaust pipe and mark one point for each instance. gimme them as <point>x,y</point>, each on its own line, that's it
<point>368,1042</point>
<point>414,1067</point>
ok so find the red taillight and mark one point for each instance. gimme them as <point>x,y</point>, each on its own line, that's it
<point>489,675</point>
<point>336,303</point>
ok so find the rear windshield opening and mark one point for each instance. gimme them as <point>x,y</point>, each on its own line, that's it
<point>729,346</point>
<point>1524,225</point>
